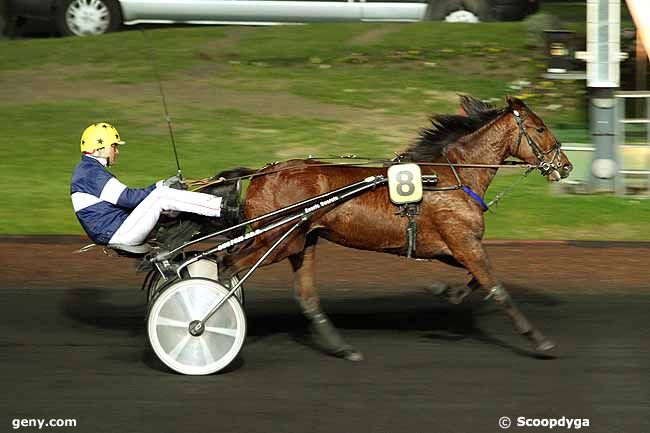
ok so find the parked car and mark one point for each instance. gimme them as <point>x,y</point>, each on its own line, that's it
<point>93,17</point>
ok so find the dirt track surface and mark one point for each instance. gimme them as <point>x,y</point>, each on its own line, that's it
<point>73,346</point>
<point>557,266</point>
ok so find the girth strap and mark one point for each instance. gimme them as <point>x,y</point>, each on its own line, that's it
<point>410,210</point>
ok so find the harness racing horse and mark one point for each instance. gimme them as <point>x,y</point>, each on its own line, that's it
<point>450,223</point>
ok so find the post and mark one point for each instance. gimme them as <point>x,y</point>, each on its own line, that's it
<point>603,57</point>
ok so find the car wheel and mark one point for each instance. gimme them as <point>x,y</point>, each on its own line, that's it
<point>88,17</point>
<point>461,16</point>
<point>457,11</point>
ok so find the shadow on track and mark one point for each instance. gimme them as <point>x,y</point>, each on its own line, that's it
<point>93,307</point>
<point>267,317</point>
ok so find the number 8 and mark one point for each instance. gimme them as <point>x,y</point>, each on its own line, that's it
<point>405,185</point>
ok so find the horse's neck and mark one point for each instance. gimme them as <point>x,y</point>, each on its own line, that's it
<point>489,145</point>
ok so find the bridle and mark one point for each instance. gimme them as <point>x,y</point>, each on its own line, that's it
<point>544,166</point>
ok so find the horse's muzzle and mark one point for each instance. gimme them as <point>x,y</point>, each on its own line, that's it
<point>565,170</point>
<point>554,176</point>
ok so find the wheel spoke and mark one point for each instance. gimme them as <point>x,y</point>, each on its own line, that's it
<point>209,359</point>
<point>223,331</point>
<point>166,321</point>
<point>187,305</point>
<point>180,346</point>
<point>214,304</point>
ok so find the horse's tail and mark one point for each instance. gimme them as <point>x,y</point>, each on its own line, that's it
<point>235,174</point>
<point>227,185</point>
<point>231,187</point>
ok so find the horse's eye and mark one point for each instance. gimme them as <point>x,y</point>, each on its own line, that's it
<point>540,129</point>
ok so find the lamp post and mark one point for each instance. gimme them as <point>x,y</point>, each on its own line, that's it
<point>560,51</point>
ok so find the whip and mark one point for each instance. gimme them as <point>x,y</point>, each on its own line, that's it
<point>164,102</point>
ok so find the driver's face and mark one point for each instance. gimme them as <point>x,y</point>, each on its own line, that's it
<point>113,153</point>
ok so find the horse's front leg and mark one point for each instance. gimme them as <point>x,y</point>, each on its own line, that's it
<point>472,255</point>
<point>325,333</point>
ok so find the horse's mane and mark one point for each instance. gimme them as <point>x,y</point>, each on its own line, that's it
<point>474,106</point>
<point>449,128</point>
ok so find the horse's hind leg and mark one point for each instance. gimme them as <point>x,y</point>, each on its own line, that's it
<point>473,256</point>
<point>324,331</point>
<point>453,294</point>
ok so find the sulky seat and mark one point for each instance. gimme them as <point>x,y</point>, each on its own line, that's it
<point>131,250</point>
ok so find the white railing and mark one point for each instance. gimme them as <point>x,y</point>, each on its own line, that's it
<point>633,158</point>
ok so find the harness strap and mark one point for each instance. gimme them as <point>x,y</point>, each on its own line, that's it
<point>544,166</point>
<point>476,197</point>
<point>467,189</point>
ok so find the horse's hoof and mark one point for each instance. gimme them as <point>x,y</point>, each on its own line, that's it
<point>438,289</point>
<point>350,354</point>
<point>458,295</point>
<point>545,346</point>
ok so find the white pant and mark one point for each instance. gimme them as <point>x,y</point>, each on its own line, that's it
<point>135,229</point>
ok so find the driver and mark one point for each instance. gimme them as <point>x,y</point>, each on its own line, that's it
<point>112,213</point>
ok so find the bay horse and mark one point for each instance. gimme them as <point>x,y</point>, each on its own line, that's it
<point>450,223</point>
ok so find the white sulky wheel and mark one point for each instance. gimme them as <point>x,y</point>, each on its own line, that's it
<point>187,301</point>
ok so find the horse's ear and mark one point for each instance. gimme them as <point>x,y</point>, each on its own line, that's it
<point>515,103</point>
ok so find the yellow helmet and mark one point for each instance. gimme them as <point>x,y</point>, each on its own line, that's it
<point>99,135</point>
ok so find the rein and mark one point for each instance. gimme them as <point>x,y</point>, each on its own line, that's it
<point>198,184</point>
<point>545,166</point>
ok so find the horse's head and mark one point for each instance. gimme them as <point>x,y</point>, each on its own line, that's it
<point>535,143</point>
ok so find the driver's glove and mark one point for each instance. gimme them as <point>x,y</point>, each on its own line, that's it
<point>174,182</point>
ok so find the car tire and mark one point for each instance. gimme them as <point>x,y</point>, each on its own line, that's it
<point>512,10</point>
<point>483,9</point>
<point>439,9</point>
<point>6,19</point>
<point>3,18</point>
<point>87,17</point>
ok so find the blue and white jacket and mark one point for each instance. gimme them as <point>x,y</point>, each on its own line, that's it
<point>102,202</point>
